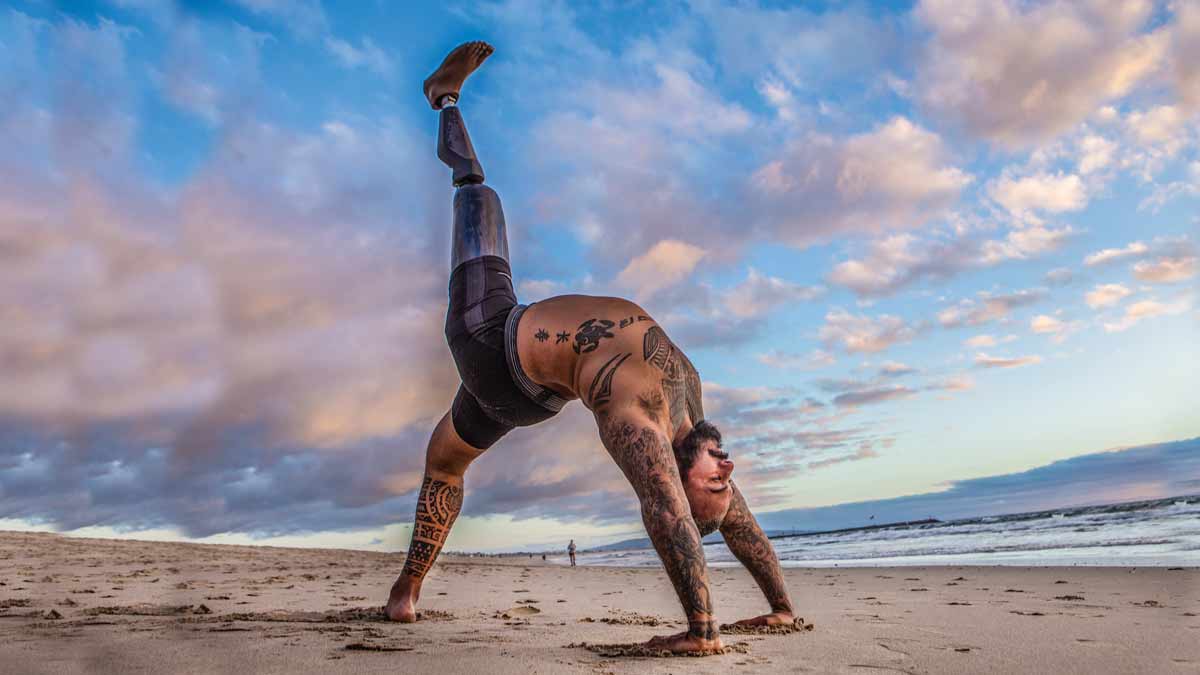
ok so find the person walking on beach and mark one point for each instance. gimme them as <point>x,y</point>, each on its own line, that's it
<point>571,552</point>
<point>520,365</point>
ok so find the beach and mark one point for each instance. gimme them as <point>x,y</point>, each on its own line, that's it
<point>75,605</point>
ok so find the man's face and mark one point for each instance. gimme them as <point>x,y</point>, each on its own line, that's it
<point>708,488</point>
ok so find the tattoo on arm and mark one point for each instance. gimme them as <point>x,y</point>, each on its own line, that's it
<point>601,390</point>
<point>750,545</point>
<point>645,457</point>
<point>437,506</point>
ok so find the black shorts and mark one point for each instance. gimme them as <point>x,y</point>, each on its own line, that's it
<point>481,328</point>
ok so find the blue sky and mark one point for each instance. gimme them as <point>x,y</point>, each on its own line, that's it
<point>908,246</point>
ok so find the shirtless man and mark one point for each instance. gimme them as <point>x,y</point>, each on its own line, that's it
<point>521,364</point>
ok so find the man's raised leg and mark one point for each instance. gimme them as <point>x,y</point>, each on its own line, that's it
<point>438,505</point>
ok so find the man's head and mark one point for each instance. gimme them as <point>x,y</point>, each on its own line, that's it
<point>705,469</point>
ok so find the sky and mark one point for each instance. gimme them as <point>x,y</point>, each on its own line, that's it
<point>914,249</point>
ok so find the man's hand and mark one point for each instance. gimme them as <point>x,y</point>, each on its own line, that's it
<point>772,619</point>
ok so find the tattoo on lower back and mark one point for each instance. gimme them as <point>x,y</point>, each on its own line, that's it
<point>589,334</point>
<point>601,390</point>
<point>438,505</point>
<point>541,335</point>
<point>681,382</point>
<point>561,337</point>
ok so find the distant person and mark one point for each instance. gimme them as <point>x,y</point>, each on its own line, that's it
<point>520,365</point>
<point>571,552</point>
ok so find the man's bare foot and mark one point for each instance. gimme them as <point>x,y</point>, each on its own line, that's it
<point>683,643</point>
<point>402,602</point>
<point>403,611</point>
<point>458,65</point>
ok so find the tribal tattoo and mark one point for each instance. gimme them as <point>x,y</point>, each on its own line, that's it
<point>589,334</point>
<point>646,458</point>
<point>437,506</point>
<point>681,382</point>
<point>601,390</point>
<point>750,545</point>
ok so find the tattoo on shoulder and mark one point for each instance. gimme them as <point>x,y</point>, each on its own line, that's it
<point>601,390</point>
<point>589,334</point>
<point>681,382</point>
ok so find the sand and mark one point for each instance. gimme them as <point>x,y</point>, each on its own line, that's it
<point>71,605</point>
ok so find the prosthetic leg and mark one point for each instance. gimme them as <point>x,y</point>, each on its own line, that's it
<point>479,228</point>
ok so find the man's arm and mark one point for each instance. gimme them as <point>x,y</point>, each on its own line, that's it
<point>644,454</point>
<point>750,545</point>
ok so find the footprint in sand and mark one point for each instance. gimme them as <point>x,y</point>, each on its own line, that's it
<point>517,612</point>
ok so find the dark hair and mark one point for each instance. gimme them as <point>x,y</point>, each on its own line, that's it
<point>686,450</point>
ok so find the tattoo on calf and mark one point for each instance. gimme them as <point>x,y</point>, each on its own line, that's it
<point>601,390</point>
<point>590,332</point>
<point>438,505</point>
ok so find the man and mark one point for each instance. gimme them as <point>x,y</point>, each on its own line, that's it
<point>571,552</point>
<point>520,365</point>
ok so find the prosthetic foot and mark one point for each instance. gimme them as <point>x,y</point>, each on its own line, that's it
<point>448,79</point>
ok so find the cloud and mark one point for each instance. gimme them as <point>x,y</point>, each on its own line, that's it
<point>1166,270</point>
<point>1143,472</point>
<point>1106,295</point>
<point>304,18</point>
<point>1145,309</point>
<point>1059,276</point>
<point>1052,193</point>
<point>952,384</point>
<point>759,294</point>
<point>1105,256</point>
<point>368,56</point>
<point>869,396</point>
<point>1017,74</point>
<point>896,369</point>
<point>894,177</point>
<point>1043,323</point>
<point>666,263</point>
<point>817,358</point>
<point>989,308</point>
<point>985,361</point>
<point>863,334</point>
<point>1172,260</point>
<point>897,261</point>
<point>862,453</point>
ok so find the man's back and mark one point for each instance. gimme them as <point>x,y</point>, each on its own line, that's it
<point>609,352</point>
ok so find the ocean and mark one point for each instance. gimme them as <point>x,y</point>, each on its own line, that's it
<point>1163,532</point>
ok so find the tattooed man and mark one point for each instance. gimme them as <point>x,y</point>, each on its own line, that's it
<point>521,364</point>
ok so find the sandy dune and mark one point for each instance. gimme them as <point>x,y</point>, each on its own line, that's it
<point>71,605</point>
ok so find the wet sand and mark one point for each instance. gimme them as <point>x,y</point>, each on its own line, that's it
<point>71,605</point>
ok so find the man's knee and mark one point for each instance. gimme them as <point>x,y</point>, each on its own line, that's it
<point>448,455</point>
